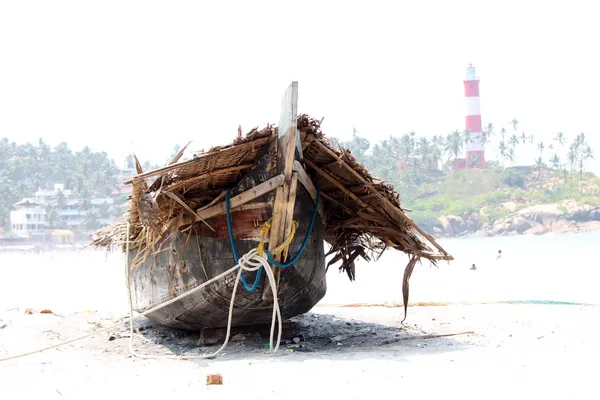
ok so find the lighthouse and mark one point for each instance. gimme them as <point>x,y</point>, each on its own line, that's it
<point>475,156</point>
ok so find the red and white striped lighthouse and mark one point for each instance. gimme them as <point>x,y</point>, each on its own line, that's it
<point>475,147</point>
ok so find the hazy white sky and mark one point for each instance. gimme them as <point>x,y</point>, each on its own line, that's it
<point>140,76</point>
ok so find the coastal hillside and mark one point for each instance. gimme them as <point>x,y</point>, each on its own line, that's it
<point>552,191</point>
<point>507,201</point>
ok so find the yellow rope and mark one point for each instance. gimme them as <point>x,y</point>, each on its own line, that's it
<point>264,234</point>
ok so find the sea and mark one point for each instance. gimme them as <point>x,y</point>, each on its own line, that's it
<point>547,268</point>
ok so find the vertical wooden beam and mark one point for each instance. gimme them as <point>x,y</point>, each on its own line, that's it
<point>285,196</point>
<point>289,212</point>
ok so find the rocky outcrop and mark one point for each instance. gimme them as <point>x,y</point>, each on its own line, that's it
<point>453,225</point>
<point>545,214</point>
<point>563,217</point>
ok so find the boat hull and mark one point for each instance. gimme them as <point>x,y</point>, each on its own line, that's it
<point>188,259</point>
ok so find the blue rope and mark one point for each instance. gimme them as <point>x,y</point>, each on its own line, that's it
<point>234,250</point>
<point>304,242</point>
<point>269,255</point>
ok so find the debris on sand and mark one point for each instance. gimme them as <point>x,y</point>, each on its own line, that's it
<point>214,379</point>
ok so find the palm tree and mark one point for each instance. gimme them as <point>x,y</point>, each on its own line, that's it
<point>514,140</point>
<point>560,138</point>
<point>503,150</point>
<point>572,157</point>
<point>586,154</point>
<point>424,151</point>
<point>523,137</point>
<point>467,137</point>
<point>511,155</point>
<point>555,162</point>
<point>490,130</point>
<point>473,161</point>
<point>514,123</point>
<point>539,163</point>
<point>51,216</point>
<point>454,144</point>
<point>437,143</point>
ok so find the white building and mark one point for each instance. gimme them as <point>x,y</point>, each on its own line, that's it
<point>29,216</point>
<point>28,219</point>
<point>48,196</point>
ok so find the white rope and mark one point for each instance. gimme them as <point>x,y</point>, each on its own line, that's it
<point>250,261</point>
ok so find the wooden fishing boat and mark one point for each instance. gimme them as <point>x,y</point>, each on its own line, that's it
<point>190,221</point>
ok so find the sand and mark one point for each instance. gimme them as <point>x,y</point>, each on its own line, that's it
<point>535,351</point>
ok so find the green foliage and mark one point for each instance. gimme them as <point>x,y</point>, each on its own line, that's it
<point>513,178</point>
<point>421,171</point>
<point>497,213</point>
<point>25,168</point>
<point>590,201</point>
<point>427,219</point>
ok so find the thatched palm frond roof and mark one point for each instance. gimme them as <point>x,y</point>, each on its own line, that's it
<point>362,214</point>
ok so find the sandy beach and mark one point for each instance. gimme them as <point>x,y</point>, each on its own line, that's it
<point>522,350</point>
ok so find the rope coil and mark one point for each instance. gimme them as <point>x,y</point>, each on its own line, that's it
<point>264,232</point>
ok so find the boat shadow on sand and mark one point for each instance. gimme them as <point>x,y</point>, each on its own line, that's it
<point>312,334</point>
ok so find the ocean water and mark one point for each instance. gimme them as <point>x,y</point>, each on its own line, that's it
<point>554,267</point>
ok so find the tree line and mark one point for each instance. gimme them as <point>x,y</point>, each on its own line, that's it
<point>27,167</point>
<point>409,160</point>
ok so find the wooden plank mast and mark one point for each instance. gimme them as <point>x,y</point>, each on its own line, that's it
<point>288,148</point>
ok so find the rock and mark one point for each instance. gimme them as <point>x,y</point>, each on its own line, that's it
<point>581,214</point>
<point>595,215</point>
<point>437,230</point>
<point>497,229</point>
<point>510,206</point>
<point>473,222</point>
<point>536,229</point>
<point>240,337</point>
<point>570,204</point>
<point>340,338</point>
<point>456,223</point>
<point>445,223</point>
<point>520,224</point>
<point>545,214</point>
<point>564,226</point>
<point>483,211</point>
<point>589,226</point>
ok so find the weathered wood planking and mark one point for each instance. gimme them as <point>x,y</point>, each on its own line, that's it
<point>242,198</point>
<point>289,142</point>
<point>288,120</point>
<point>305,180</point>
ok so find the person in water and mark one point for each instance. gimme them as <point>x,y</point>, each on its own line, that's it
<point>499,254</point>
<point>473,268</point>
